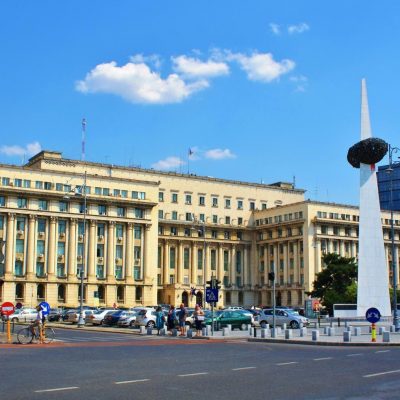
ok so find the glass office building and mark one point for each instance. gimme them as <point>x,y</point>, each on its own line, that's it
<point>384,187</point>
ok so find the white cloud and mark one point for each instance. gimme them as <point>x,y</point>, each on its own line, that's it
<point>219,154</point>
<point>136,83</point>
<point>300,81</point>
<point>193,67</point>
<point>153,59</point>
<point>300,28</point>
<point>15,150</point>
<point>168,163</point>
<point>262,66</point>
<point>275,28</point>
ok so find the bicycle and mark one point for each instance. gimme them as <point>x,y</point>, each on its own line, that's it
<point>26,336</point>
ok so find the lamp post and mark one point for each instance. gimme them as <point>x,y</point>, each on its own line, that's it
<point>81,321</point>
<point>390,170</point>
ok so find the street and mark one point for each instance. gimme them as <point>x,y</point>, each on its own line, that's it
<point>95,365</point>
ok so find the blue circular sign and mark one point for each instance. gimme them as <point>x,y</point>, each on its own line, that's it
<point>45,307</point>
<point>373,315</point>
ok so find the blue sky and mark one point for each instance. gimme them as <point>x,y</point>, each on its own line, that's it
<point>260,90</point>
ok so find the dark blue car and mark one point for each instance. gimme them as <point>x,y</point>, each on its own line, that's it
<point>113,318</point>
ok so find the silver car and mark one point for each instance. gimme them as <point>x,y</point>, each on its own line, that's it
<point>74,316</point>
<point>24,315</point>
<point>289,317</point>
<point>146,317</point>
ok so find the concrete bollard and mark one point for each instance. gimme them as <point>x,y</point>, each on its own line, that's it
<point>229,327</point>
<point>331,324</point>
<point>386,337</point>
<point>274,332</point>
<point>226,331</point>
<point>357,331</point>
<point>174,332</point>
<point>392,328</point>
<point>288,333</point>
<point>251,331</point>
<point>314,335</point>
<point>346,336</point>
<point>331,331</point>
<point>149,331</point>
<point>263,333</point>
<point>346,324</point>
<point>325,330</point>
<point>189,333</point>
<point>204,331</point>
<point>278,331</point>
<point>284,326</point>
<point>301,325</point>
<point>162,332</point>
<point>381,330</point>
<point>348,328</point>
<point>142,330</point>
<point>303,332</point>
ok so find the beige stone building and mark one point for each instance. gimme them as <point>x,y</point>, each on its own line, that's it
<point>149,237</point>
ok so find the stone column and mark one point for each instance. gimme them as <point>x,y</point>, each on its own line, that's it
<point>353,249</point>
<point>51,257</point>
<point>10,243</point>
<point>110,250</point>
<point>220,268</point>
<point>286,271</point>
<point>296,264</point>
<point>245,267</point>
<point>91,252</point>
<point>129,251</point>
<point>194,264</point>
<point>72,249</point>
<point>276,263</point>
<point>341,248</point>
<point>179,277</point>
<point>233,266</point>
<point>146,251</point>
<point>165,266</point>
<point>317,255</point>
<point>31,251</point>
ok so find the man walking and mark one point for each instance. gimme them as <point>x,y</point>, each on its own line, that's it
<point>182,319</point>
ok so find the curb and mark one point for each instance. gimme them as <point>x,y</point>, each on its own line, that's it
<point>318,343</point>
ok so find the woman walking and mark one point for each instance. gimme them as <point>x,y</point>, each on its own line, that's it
<point>198,319</point>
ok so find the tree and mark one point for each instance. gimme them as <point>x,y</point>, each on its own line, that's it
<point>337,282</point>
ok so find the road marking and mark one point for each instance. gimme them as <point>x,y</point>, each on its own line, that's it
<point>56,389</point>
<point>354,355</point>
<point>197,373</point>
<point>382,373</point>
<point>288,363</point>
<point>323,358</point>
<point>135,381</point>
<point>242,368</point>
<point>382,351</point>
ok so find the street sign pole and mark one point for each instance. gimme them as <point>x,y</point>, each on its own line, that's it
<point>373,316</point>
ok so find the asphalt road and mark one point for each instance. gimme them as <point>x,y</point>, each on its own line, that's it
<point>172,368</point>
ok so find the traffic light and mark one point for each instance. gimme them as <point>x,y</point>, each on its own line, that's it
<point>209,284</point>
<point>217,284</point>
<point>271,276</point>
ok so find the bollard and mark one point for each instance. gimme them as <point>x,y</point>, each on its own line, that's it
<point>346,324</point>
<point>392,328</point>
<point>208,329</point>
<point>325,330</point>
<point>149,331</point>
<point>263,333</point>
<point>262,325</point>
<point>381,330</point>
<point>386,337</point>
<point>204,331</point>
<point>226,331</point>
<point>331,324</point>
<point>174,332</point>
<point>189,333</point>
<point>346,336</point>
<point>274,333</point>
<point>162,332</point>
<point>314,335</point>
<point>348,328</point>
<point>288,333</point>
<point>142,330</point>
<point>331,331</point>
<point>357,331</point>
<point>338,322</point>
<point>303,332</point>
<point>229,326</point>
<point>255,332</point>
<point>284,327</point>
<point>251,331</point>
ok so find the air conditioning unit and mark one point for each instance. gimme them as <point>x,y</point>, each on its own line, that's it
<point>100,259</point>
<point>20,233</point>
<point>79,258</point>
<point>120,239</point>
<point>118,260</point>
<point>62,235</point>
<point>11,183</point>
<point>41,234</point>
<point>40,255</point>
<point>60,258</point>
<point>80,237</point>
<point>101,237</point>
<point>19,258</point>
<point>137,262</point>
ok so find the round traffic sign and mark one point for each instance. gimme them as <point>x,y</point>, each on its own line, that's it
<point>45,307</point>
<point>18,305</point>
<point>7,308</point>
<point>373,315</point>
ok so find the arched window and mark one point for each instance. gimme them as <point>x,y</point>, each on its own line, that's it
<point>240,298</point>
<point>19,291</point>
<point>40,291</point>
<point>299,297</point>
<point>279,299</point>
<point>289,298</point>
<point>61,293</point>
<point>185,298</point>
<point>199,298</point>
<point>139,293</point>
<point>102,293</point>
<point>121,294</point>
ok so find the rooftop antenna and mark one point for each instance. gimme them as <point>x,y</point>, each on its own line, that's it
<point>83,138</point>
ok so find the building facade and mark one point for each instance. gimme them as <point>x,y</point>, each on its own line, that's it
<point>149,237</point>
<point>385,180</point>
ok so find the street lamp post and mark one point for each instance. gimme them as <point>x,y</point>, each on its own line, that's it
<point>81,321</point>
<point>390,170</point>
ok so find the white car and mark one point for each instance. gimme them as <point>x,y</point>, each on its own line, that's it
<point>24,315</point>
<point>98,316</point>
<point>127,318</point>
<point>74,316</point>
<point>146,317</point>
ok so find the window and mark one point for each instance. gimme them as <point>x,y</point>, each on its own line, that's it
<point>19,268</point>
<point>138,195</point>
<point>62,226</point>
<point>160,196</point>
<point>59,187</point>
<point>227,220</point>
<point>121,211</point>
<point>186,255</point>
<point>281,265</point>
<point>213,259</point>
<point>189,217</point>
<point>136,273</point>
<point>202,217</point>
<point>336,230</point>
<point>238,262</point>
<point>174,215</point>
<point>139,213</point>
<point>172,256</point>
<point>227,203</point>
<point>17,182</point>
<point>226,260</point>
<point>40,269</point>
<point>100,250</point>
<point>47,185</point>
<point>137,232</point>
<point>172,279</point>
<point>238,281</point>
<point>187,232</point>
<point>106,191</point>
<point>2,201</point>
<point>202,200</point>
<point>21,202</point>
<point>226,280</point>
<point>97,191</point>
<point>82,208</point>
<point>240,221</point>
<point>252,205</point>
<point>79,249</point>
<point>117,192</point>
<point>61,248</point>
<point>199,258</point>
<point>124,194</point>
<point>118,272</point>
<point>160,230</point>
<point>43,205</point>
<point>188,199</point>
<point>38,184</point>
<point>174,198</point>
<point>263,206</point>
<point>19,246</point>
<point>239,235</point>
<point>324,229</point>
<point>118,251</point>
<point>81,228</point>
<point>102,209</point>
<point>41,227</point>
<point>21,224</point>
<point>1,222</point>
<point>119,230</point>
<point>137,250</point>
<point>62,206</point>
<point>100,230</point>
<point>227,235</point>
<point>5,181</point>
<point>215,219</point>
<point>160,214</point>
<point>262,266</point>
<point>27,183</point>
<point>214,234</point>
<point>214,201</point>
<point>240,204</point>
<point>174,231</point>
<point>60,270</point>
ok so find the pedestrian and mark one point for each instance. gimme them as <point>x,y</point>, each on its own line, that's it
<point>171,319</point>
<point>182,319</point>
<point>198,315</point>
<point>160,319</point>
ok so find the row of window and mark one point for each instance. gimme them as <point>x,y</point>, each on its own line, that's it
<point>61,187</point>
<point>214,201</point>
<point>190,217</point>
<point>280,218</point>
<point>280,248</point>
<point>188,232</point>
<point>279,233</point>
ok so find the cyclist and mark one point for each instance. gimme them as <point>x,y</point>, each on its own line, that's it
<point>38,321</point>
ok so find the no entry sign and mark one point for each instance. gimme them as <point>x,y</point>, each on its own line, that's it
<point>7,308</point>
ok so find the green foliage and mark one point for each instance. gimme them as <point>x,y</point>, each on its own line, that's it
<point>336,283</point>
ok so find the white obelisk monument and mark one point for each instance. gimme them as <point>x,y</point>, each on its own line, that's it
<point>373,273</point>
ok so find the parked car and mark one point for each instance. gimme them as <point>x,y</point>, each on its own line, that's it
<point>23,315</point>
<point>230,308</point>
<point>113,318</point>
<point>235,318</point>
<point>146,317</point>
<point>287,316</point>
<point>74,316</point>
<point>190,321</point>
<point>97,318</point>
<point>54,315</point>
<point>129,318</point>
<point>66,312</point>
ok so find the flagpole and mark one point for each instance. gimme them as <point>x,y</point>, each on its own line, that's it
<point>188,160</point>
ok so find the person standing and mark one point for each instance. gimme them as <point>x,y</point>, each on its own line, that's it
<point>198,315</point>
<point>159,319</point>
<point>182,319</point>
<point>171,318</point>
